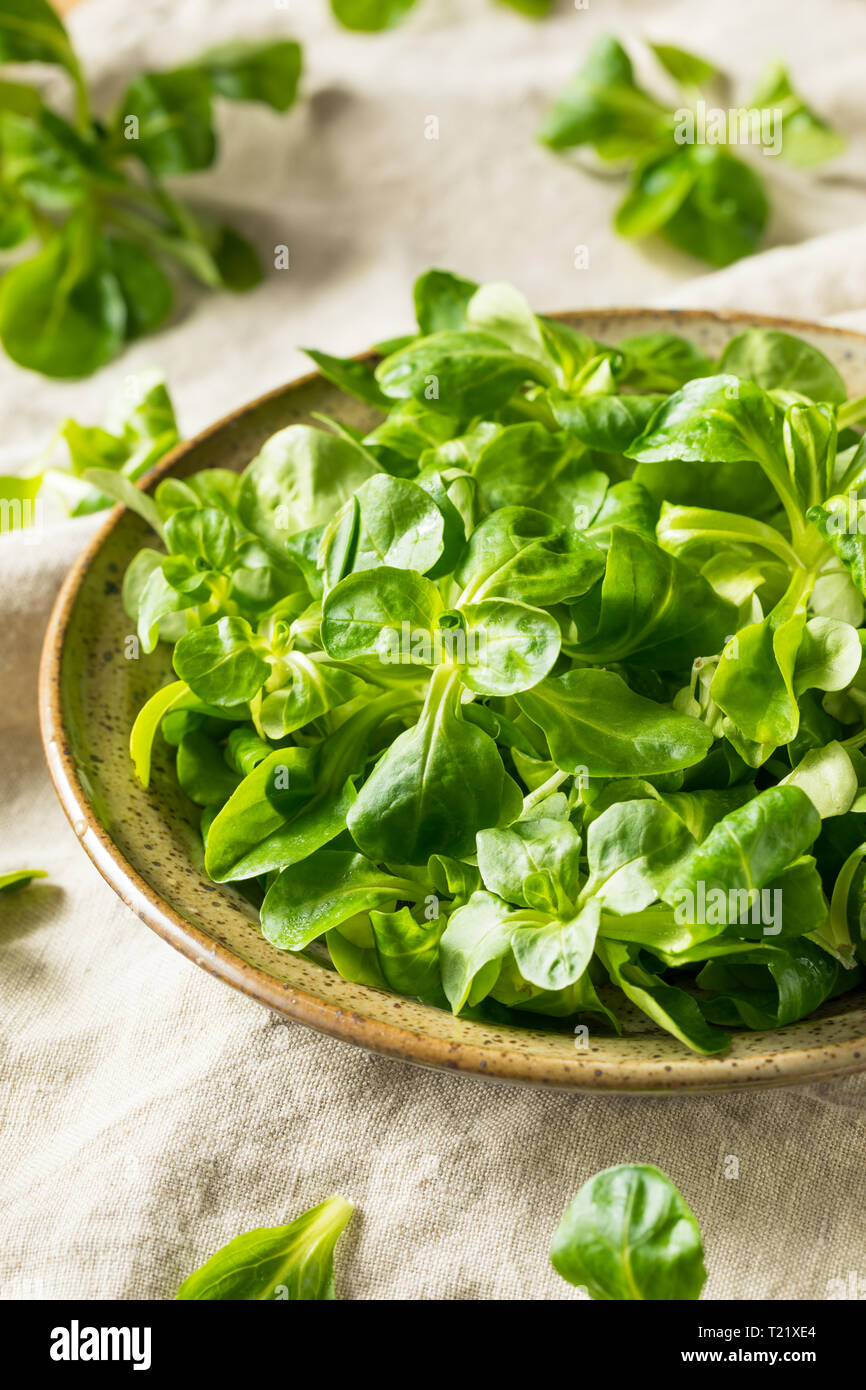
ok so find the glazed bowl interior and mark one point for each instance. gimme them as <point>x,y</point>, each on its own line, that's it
<point>146,842</point>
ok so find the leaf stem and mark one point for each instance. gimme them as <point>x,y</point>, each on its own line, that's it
<point>193,256</point>
<point>851,412</point>
<point>543,792</point>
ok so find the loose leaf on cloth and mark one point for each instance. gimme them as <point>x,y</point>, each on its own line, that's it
<point>99,280</point>
<point>628,1235</point>
<point>277,1262</point>
<point>19,878</point>
<point>682,183</point>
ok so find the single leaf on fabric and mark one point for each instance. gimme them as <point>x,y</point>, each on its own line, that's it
<point>19,508</point>
<point>275,1262</point>
<point>659,189</point>
<point>251,70</point>
<point>62,312</point>
<point>724,213</point>
<point>807,140</point>
<point>688,69</point>
<point>174,131</point>
<point>32,31</point>
<point>630,1235</point>
<point>298,480</point>
<point>46,160</point>
<point>370,16</point>
<point>604,106</point>
<point>147,291</point>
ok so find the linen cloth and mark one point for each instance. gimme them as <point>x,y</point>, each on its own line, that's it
<point>149,1113</point>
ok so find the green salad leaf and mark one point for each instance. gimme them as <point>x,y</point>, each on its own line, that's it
<point>275,1262</point>
<point>19,878</point>
<point>90,188</point>
<point>630,1235</point>
<point>686,182</point>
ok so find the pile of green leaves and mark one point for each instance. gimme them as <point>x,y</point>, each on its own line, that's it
<point>90,191</point>
<point>371,16</point>
<point>701,197</point>
<point>485,696</point>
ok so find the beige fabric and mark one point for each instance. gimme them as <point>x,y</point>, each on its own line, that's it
<point>149,1113</point>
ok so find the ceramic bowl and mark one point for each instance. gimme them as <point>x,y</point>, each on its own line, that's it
<point>146,845</point>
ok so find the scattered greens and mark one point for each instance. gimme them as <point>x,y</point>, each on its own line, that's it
<point>139,429</point>
<point>628,1234</point>
<point>371,16</point>
<point>544,696</point>
<point>685,180</point>
<point>19,878</point>
<point>89,193</point>
<point>294,1262</point>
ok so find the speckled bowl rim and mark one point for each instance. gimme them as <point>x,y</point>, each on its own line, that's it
<point>690,1073</point>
